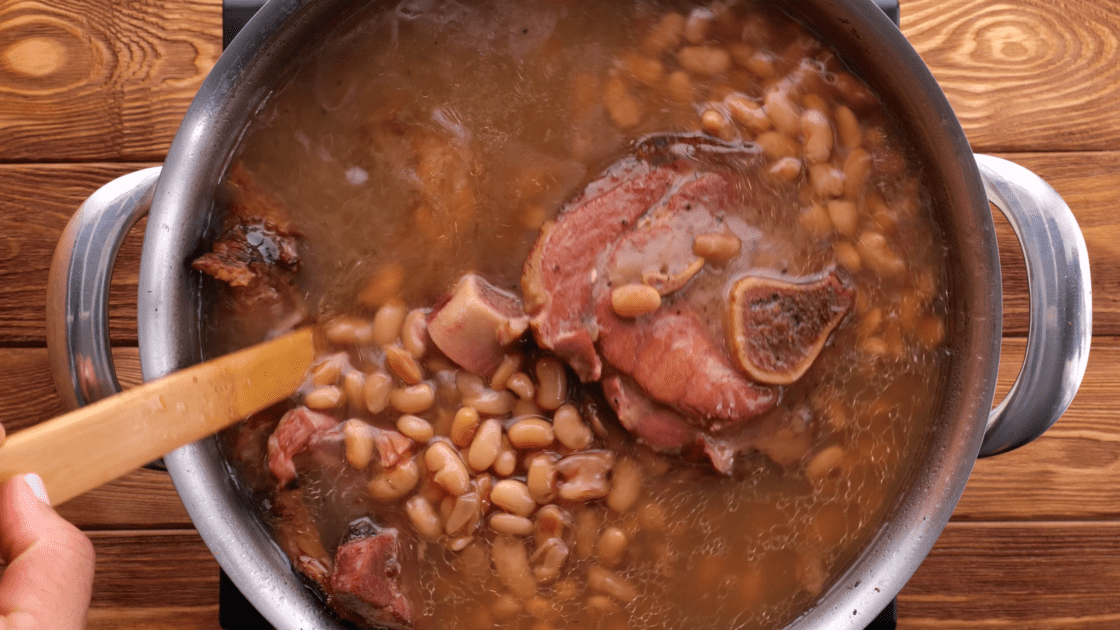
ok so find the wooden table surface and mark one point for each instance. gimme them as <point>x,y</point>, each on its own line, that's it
<point>92,89</point>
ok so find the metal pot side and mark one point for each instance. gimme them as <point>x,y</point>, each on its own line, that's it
<point>171,304</point>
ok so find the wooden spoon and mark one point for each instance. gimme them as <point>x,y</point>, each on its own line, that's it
<point>87,447</point>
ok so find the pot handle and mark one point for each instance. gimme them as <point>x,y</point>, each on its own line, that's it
<point>78,287</point>
<point>1061,314</point>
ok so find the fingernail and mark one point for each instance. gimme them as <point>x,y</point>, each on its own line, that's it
<point>38,488</point>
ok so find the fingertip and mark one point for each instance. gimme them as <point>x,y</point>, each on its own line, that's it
<point>38,488</point>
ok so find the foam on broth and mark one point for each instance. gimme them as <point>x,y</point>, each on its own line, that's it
<point>435,138</point>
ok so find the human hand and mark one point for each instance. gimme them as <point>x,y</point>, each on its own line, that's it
<point>49,577</point>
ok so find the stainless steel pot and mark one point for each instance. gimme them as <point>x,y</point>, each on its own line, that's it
<point>181,203</point>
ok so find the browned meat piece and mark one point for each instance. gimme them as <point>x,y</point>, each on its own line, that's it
<point>299,538</point>
<point>666,365</point>
<point>561,270</point>
<point>783,437</point>
<point>256,251</point>
<point>475,323</point>
<point>301,429</point>
<point>298,430</point>
<point>777,328</point>
<point>392,447</point>
<point>670,356</point>
<point>368,577</point>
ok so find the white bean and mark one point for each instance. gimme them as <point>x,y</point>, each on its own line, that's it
<point>414,333</point>
<point>626,485</point>
<point>706,61</point>
<point>415,428</point>
<point>520,384</point>
<point>401,363</point>
<point>486,445</point>
<point>530,434</point>
<point>413,399</point>
<point>376,391</point>
<point>423,517</point>
<point>513,496</point>
<point>570,429</point>
<point>464,426</point>
<point>511,563</point>
<point>390,485</point>
<point>510,364</point>
<point>541,479</point>
<point>324,398</point>
<point>549,558</point>
<point>612,547</point>
<point>464,512</point>
<point>511,524</point>
<point>552,383</point>
<point>387,322</point>
<point>327,371</point>
<point>818,136</point>
<point>447,468</point>
<point>610,583</point>
<point>824,462</point>
<point>358,438</point>
<point>782,112</point>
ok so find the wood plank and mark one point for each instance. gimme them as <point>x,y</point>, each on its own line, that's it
<point>1089,184</point>
<point>1030,75</point>
<point>101,79</point>
<point>29,393</point>
<point>151,618</point>
<point>1060,575</point>
<point>1073,471</point>
<point>152,579</point>
<point>39,199</point>
<point>137,569</point>
<point>1043,576</point>
<point>144,499</point>
<point>85,93</point>
<point>37,202</point>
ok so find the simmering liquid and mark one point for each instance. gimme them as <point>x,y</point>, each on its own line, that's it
<point>429,140</point>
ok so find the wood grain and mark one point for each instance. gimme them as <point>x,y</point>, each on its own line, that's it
<point>141,568</point>
<point>97,443</point>
<point>153,618</point>
<point>29,393</point>
<point>1072,471</point>
<point>1090,184</point>
<point>1050,71</point>
<point>38,200</point>
<point>101,79</point>
<point>1024,76</point>
<point>1042,576</point>
<point>144,499</point>
<point>1060,575</point>
<point>1034,541</point>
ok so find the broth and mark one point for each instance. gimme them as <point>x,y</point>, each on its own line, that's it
<point>418,146</point>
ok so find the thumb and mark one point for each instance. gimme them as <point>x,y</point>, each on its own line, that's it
<point>49,577</point>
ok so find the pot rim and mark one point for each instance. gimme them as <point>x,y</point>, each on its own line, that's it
<point>170,309</point>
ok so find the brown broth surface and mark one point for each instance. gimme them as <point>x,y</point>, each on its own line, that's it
<point>433,139</point>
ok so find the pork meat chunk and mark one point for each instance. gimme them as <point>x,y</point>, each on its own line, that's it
<point>475,323</point>
<point>298,430</point>
<point>674,376</point>
<point>256,253</point>
<point>368,576</point>
<point>302,429</point>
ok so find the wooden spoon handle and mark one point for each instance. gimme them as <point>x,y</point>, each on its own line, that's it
<point>93,445</point>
